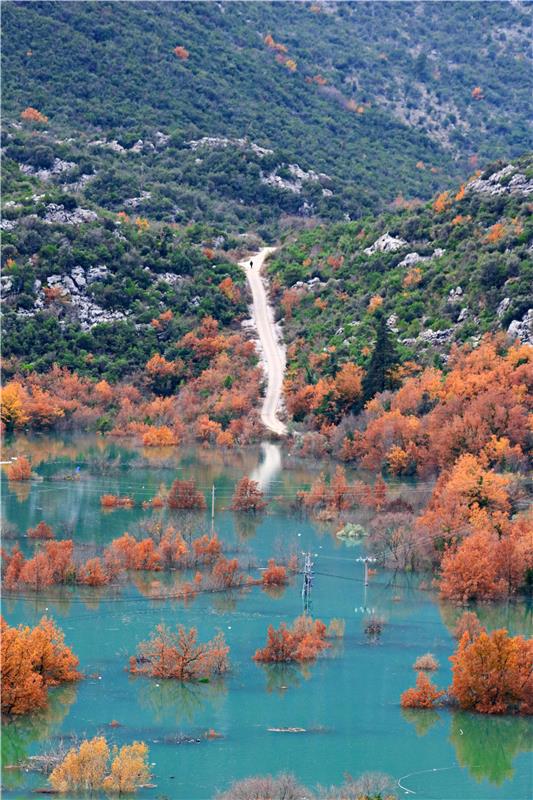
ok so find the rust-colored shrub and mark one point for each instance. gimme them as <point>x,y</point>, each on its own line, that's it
<point>19,470</point>
<point>303,642</point>
<point>274,574</point>
<point>41,531</point>
<point>425,695</point>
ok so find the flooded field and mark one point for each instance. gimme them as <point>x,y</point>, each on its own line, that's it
<point>345,706</point>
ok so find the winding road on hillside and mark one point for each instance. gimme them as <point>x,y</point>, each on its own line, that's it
<point>272,353</point>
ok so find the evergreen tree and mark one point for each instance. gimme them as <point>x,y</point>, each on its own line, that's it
<point>384,358</point>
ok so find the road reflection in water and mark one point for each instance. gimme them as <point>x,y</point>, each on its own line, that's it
<point>269,466</point>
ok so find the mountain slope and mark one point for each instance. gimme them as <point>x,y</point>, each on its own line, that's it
<point>378,99</point>
<point>443,272</point>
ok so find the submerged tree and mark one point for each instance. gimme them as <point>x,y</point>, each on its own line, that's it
<point>185,495</point>
<point>304,641</point>
<point>425,695</point>
<point>492,673</point>
<point>179,655</point>
<point>88,768</point>
<point>248,496</point>
<point>32,660</point>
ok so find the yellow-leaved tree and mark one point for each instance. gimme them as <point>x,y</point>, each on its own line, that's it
<point>129,768</point>
<point>85,768</point>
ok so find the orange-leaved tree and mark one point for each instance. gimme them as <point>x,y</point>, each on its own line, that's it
<point>179,655</point>
<point>19,470</point>
<point>184,494</point>
<point>41,531</point>
<point>31,114</point>
<point>32,660</point>
<point>425,695</point>
<point>274,574</point>
<point>248,496</point>
<point>493,674</point>
<point>304,641</point>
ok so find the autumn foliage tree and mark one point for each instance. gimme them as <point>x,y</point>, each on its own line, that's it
<point>492,673</point>
<point>179,655</point>
<point>32,659</point>
<point>274,574</point>
<point>41,531</point>
<point>248,496</point>
<point>93,767</point>
<point>109,501</point>
<point>304,641</point>
<point>13,399</point>
<point>425,695</point>
<point>19,470</point>
<point>31,114</point>
<point>181,52</point>
<point>161,436</point>
<point>185,495</point>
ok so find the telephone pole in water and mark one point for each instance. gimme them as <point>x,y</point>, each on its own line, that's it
<point>307,583</point>
<point>212,508</point>
<point>366,560</point>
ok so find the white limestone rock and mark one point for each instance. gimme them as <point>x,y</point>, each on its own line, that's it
<point>522,329</point>
<point>385,244</point>
<point>57,214</point>
<point>518,184</point>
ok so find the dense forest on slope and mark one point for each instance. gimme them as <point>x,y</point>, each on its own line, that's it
<point>444,272</point>
<point>365,101</point>
<point>102,296</point>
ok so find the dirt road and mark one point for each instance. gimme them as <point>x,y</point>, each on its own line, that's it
<point>273,353</point>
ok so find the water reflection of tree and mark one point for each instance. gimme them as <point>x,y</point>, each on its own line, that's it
<point>517,618</point>
<point>226,602</point>
<point>274,592</point>
<point>280,677</point>
<point>21,490</point>
<point>487,745</point>
<point>19,734</point>
<point>245,525</point>
<point>423,719</point>
<point>182,701</point>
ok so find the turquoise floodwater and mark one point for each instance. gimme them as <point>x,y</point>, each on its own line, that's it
<point>347,702</point>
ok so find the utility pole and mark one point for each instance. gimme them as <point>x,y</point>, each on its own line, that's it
<point>307,583</point>
<point>212,507</point>
<point>366,561</point>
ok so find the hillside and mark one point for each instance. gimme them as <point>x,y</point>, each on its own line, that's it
<point>356,106</point>
<point>442,273</point>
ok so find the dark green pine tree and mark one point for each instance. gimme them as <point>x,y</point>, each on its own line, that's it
<point>384,358</point>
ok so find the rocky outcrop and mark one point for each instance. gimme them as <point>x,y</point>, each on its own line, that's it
<point>57,168</point>
<point>80,184</point>
<point>507,181</point>
<point>412,259</point>
<point>436,338</point>
<point>312,284</point>
<point>57,214</point>
<point>170,278</point>
<point>72,296</point>
<point>214,142</point>
<point>135,202</point>
<point>503,306</point>
<point>299,177</point>
<point>386,244</point>
<point>83,307</point>
<point>522,329</point>
<point>455,295</point>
